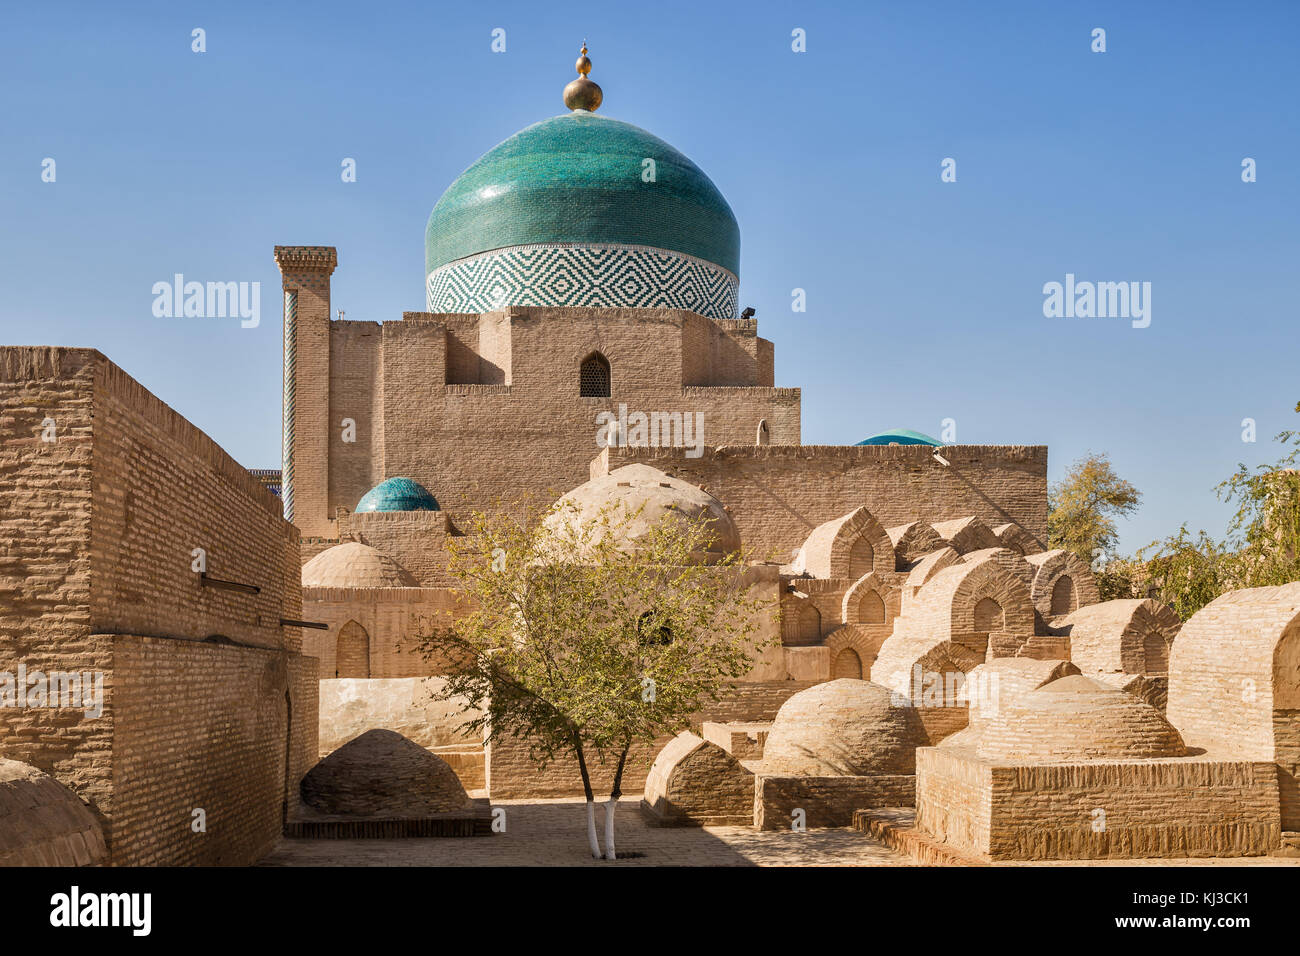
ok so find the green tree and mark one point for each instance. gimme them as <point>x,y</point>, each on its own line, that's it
<point>1265,530</point>
<point>1262,546</point>
<point>1187,573</point>
<point>583,642</point>
<point>1083,506</point>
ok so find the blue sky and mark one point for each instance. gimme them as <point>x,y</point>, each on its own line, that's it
<point>924,298</point>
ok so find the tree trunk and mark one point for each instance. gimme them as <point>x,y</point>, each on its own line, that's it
<point>592,843</point>
<point>610,806</point>
<point>615,792</point>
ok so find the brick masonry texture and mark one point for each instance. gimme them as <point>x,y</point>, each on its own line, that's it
<point>1188,806</point>
<point>511,773</point>
<point>826,801</point>
<point>779,494</point>
<point>481,408</point>
<point>98,527</point>
<point>207,726</point>
<point>390,619</point>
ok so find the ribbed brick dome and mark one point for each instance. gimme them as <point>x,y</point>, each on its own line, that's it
<point>382,774</point>
<point>43,823</point>
<point>843,728</point>
<point>1076,718</point>
<point>355,565</point>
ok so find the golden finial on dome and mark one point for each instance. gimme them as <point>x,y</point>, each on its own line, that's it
<point>582,93</point>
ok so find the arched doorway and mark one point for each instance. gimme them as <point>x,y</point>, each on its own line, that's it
<point>861,558</point>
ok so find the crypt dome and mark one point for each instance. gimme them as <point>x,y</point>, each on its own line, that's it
<point>355,565</point>
<point>843,728</point>
<point>583,210</point>
<point>1077,718</point>
<point>636,497</point>
<point>383,774</point>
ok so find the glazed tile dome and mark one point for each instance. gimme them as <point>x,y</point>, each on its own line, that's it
<point>398,494</point>
<point>355,565</point>
<point>1077,718</point>
<point>901,436</point>
<point>560,214</point>
<point>843,728</point>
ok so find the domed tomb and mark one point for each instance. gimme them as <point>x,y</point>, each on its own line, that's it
<point>355,565</point>
<point>636,498</point>
<point>382,774</point>
<point>43,823</point>
<point>1077,718</point>
<point>843,728</point>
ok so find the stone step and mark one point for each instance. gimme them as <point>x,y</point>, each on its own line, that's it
<point>896,828</point>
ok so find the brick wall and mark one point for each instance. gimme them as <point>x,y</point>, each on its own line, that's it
<point>45,575</point>
<point>485,408</point>
<point>417,540</point>
<point>162,488</point>
<point>391,617</point>
<point>779,494</point>
<point>97,529</point>
<point>206,726</point>
<point>1153,808</point>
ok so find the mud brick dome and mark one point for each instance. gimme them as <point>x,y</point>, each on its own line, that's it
<point>1079,718</point>
<point>637,497</point>
<point>355,565</point>
<point>565,212</point>
<point>843,728</point>
<point>43,823</point>
<point>381,773</point>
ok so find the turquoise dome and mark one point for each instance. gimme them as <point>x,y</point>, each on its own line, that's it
<point>900,436</point>
<point>577,178</point>
<point>397,494</point>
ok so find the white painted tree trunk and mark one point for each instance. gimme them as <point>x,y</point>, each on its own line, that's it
<point>591,830</point>
<point>610,806</point>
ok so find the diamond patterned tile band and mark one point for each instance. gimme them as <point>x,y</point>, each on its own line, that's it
<point>583,275</point>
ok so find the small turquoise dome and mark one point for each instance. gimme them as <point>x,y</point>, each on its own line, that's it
<point>398,494</point>
<point>900,436</point>
<point>578,178</point>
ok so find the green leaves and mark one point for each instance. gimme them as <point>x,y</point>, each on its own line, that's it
<point>1082,508</point>
<point>575,636</point>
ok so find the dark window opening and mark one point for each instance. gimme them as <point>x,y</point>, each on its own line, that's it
<point>593,378</point>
